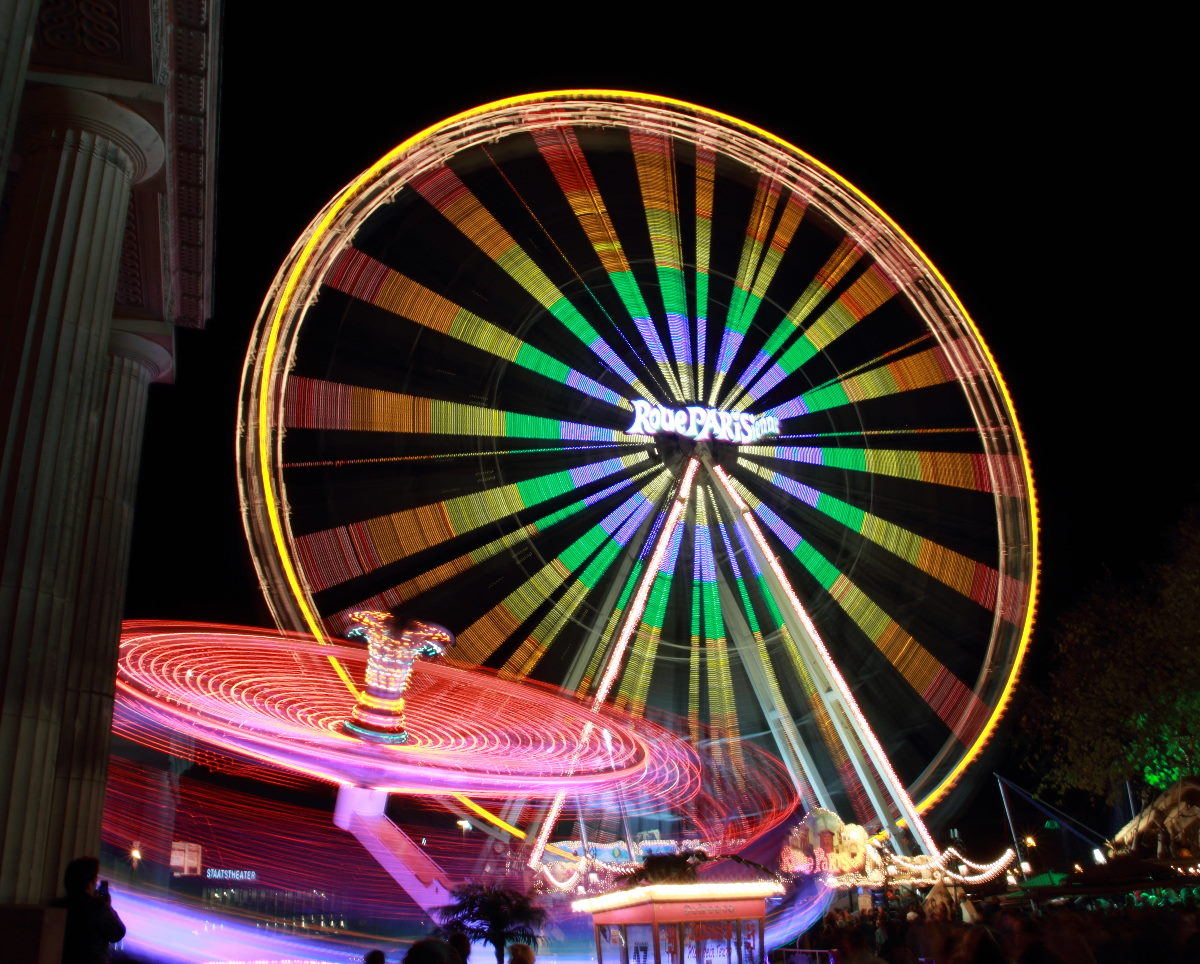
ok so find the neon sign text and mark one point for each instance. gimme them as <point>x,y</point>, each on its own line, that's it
<point>700,423</point>
<point>221,873</point>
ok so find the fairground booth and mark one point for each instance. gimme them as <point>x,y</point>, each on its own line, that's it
<point>717,923</point>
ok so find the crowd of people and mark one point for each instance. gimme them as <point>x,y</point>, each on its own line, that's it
<point>1161,929</point>
<point>1101,933</point>
<point>455,949</point>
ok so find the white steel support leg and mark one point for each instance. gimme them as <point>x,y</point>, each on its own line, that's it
<point>792,751</point>
<point>595,636</point>
<point>852,726</point>
<point>637,606</point>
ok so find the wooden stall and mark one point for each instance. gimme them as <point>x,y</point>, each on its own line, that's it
<point>681,923</point>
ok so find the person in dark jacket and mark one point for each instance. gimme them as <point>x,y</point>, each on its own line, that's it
<point>92,924</point>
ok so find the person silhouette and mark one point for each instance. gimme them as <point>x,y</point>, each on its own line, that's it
<point>92,925</point>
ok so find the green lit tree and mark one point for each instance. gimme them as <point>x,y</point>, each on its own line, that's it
<point>1123,699</point>
<point>493,915</point>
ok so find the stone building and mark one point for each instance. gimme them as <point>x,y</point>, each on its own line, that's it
<point>107,154</point>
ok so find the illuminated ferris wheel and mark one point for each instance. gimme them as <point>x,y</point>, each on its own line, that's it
<point>642,401</point>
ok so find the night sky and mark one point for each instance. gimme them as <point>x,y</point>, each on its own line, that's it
<point>1036,177</point>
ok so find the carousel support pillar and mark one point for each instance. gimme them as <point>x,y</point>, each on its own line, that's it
<point>361,811</point>
<point>81,153</point>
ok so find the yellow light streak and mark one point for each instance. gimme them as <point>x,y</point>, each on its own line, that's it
<point>322,227</point>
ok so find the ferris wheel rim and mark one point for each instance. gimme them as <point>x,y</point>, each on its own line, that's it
<point>260,460</point>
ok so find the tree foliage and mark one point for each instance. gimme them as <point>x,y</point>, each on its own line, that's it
<point>1123,700</point>
<point>493,915</point>
<point>677,868</point>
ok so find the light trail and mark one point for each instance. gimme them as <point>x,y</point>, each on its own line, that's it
<point>271,699</point>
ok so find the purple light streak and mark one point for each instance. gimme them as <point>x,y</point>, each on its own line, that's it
<point>591,387</point>
<point>604,352</point>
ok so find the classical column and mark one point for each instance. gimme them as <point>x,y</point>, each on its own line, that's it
<point>16,38</point>
<point>134,361</point>
<point>80,155</point>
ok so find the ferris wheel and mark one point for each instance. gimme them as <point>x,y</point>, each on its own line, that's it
<point>642,401</point>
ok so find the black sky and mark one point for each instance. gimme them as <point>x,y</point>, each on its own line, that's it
<point>1033,168</point>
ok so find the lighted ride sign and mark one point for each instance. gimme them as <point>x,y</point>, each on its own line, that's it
<point>700,424</point>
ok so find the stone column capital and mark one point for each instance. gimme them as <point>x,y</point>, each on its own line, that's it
<point>50,111</point>
<point>151,352</point>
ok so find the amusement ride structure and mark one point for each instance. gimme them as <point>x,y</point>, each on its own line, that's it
<point>689,447</point>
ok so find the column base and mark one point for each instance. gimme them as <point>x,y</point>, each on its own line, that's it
<point>33,933</point>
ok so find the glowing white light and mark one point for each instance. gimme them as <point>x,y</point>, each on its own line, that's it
<point>633,617</point>
<point>866,734</point>
<point>700,423</point>
<point>670,892</point>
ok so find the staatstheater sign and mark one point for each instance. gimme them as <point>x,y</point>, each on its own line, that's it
<point>696,422</point>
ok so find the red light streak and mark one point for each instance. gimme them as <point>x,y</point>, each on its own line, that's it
<point>273,700</point>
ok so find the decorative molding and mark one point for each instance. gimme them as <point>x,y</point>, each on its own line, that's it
<point>146,349</point>
<point>160,50</point>
<point>130,292</point>
<point>192,102</point>
<point>91,27</point>
<point>51,113</point>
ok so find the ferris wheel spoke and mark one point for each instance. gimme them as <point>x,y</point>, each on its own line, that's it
<point>567,160</point>
<point>635,677</point>
<point>401,533</point>
<point>720,626</point>
<point>951,699</point>
<point>335,406</point>
<point>844,257</point>
<point>920,370</point>
<point>605,565</point>
<point>582,679</point>
<point>362,277</point>
<point>586,559</point>
<point>763,246</point>
<point>970,578</point>
<point>432,567</point>
<point>654,156</point>
<point>963,470</point>
<point>704,190</point>
<point>454,201</point>
<point>870,290</point>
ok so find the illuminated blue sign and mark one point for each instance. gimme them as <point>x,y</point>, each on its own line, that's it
<point>220,873</point>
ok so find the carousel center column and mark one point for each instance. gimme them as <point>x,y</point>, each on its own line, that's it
<point>79,153</point>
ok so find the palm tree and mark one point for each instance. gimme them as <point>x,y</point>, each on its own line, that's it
<point>493,915</point>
